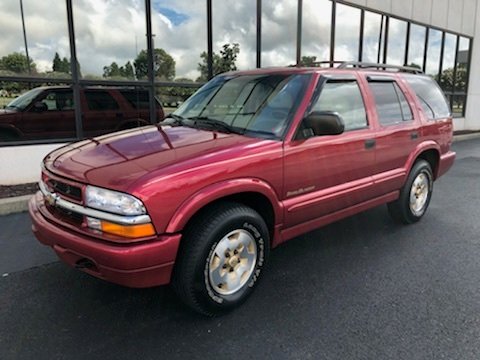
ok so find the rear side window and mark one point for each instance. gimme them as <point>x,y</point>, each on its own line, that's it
<point>137,99</point>
<point>392,107</point>
<point>100,100</point>
<point>343,97</point>
<point>430,96</point>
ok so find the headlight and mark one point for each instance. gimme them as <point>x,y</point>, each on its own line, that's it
<point>113,201</point>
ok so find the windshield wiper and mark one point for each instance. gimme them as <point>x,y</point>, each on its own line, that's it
<point>215,124</point>
<point>177,120</point>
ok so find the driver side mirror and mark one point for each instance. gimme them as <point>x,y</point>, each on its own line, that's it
<point>39,107</point>
<point>319,123</point>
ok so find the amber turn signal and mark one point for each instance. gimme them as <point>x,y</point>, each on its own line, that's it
<point>130,231</point>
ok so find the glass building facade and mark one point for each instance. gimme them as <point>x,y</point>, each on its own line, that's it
<point>99,66</point>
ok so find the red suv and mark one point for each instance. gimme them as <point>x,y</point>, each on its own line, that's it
<point>251,160</point>
<point>48,112</point>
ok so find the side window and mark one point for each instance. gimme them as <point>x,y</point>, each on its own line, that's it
<point>59,100</point>
<point>345,98</point>
<point>100,100</point>
<point>392,107</point>
<point>431,97</point>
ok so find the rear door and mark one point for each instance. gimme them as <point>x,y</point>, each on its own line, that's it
<point>324,174</point>
<point>103,113</point>
<point>398,132</point>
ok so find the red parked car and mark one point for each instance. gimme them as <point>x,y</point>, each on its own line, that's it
<point>251,160</point>
<point>48,112</point>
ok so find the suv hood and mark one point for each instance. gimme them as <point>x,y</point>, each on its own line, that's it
<point>117,160</point>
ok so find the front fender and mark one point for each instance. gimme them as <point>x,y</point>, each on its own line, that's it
<point>220,190</point>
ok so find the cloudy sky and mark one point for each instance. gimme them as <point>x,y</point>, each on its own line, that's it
<point>114,30</point>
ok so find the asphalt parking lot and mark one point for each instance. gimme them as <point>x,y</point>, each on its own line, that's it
<point>363,288</point>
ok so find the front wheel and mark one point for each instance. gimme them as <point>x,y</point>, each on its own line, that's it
<point>221,258</point>
<point>415,195</point>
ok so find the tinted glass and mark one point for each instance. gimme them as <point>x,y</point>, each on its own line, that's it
<point>347,33</point>
<point>345,98</point>
<point>372,37</point>
<point>416,46</point>
<point>60,100</point>
<point>430,96</point>
<point>100,100</point>
<point>397,30</point>
<point>392,108</point>
<point>137,99</point>
<point>433,53</point>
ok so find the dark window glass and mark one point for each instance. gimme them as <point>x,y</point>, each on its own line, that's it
<point>137,99</point>
<point>345,98</point>
<point>100,100</point>
<point>430,96</point>
<point>392,108</point>
<point>59,100</point>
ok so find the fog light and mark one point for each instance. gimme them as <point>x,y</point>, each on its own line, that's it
<point>93,223</point>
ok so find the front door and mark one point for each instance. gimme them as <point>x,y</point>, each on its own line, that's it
<point>324,174</point>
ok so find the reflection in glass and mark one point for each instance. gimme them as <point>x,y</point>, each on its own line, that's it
<point>279,32</point>
<point>47,38</point>
<point>42,113</point>
<point>109,109</point>
<point>446,77</point>
<point>234,22</point>
<point>416,46</point>
<point>372,37</point>
<point>316,30</point>
<point>433,53</point>
<point>462,61</point>
<point>397,30</point>
<point>347,33</point>
<point>109,36</point>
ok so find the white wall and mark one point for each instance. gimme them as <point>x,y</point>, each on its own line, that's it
<point>21,164</point>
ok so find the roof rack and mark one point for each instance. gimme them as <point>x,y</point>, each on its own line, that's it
<point>365,65</point>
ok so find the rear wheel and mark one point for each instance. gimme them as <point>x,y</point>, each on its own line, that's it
<point>415,195</point>
<point>221,258</point>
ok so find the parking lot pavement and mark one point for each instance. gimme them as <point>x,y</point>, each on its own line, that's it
<point>363,288</point>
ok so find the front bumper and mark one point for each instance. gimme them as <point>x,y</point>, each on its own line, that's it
<point>134,265</point>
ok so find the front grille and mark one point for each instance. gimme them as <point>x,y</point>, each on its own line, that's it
<point>69,216</point>
<point>67,190</point>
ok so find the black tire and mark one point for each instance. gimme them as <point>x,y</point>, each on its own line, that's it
<point>198,254</point>
<point>402,210</point>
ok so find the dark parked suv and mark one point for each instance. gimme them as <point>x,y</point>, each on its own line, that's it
<point>48,112</point>
<point>251,160</point>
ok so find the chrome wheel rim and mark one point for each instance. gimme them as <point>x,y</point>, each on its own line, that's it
<point>232,262</point>
<point>419,194</point>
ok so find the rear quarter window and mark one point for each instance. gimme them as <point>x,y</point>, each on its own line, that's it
<point>430,96</point>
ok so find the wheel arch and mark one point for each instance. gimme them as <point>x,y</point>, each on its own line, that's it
<point>430,152</point>
<point>251,192</point>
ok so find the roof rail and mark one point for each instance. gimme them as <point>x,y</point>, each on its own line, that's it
<point>365,65</point>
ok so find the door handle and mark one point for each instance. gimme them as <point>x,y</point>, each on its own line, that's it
<point>370,143</point>
<point>414,135</point>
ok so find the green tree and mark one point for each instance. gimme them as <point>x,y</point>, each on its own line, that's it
<point>113,70</point>
<point>163,65</point>
<point>17,63</point>
<point>223,62</point>
<point>60,65</point>
<point>447,80</point>
<point>308,61</point>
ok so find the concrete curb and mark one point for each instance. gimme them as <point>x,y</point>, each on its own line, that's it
<point>14,204</point>
<point>20,203</point>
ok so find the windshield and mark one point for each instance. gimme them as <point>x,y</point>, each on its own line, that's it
<point>253,105</point>
<point>21,102</point>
